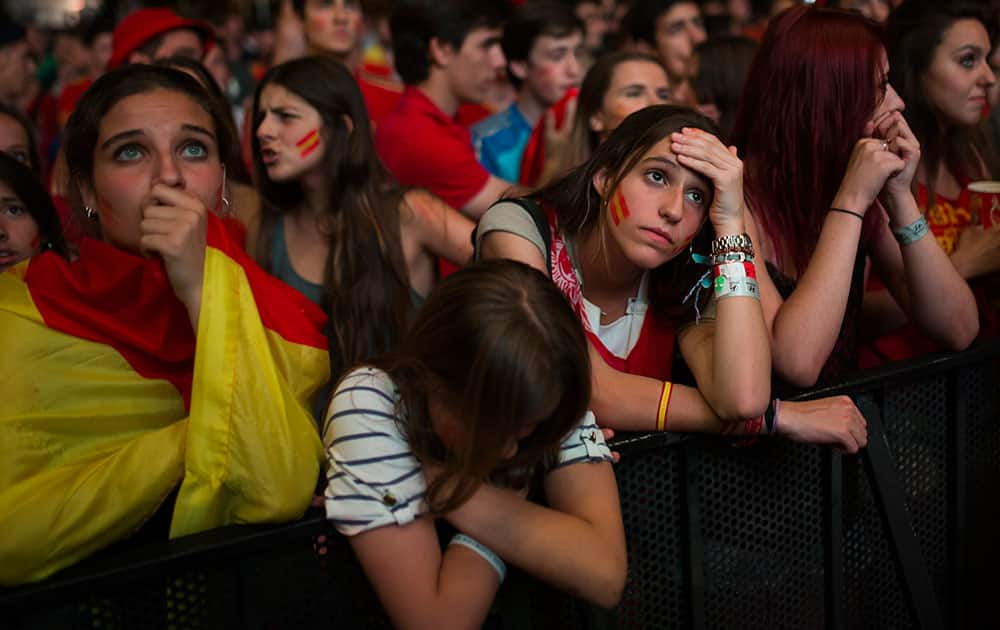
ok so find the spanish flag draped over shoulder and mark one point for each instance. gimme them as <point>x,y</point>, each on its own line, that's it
<point>108,402</point>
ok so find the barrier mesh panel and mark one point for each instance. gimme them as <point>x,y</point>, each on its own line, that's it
<point>652,508</point>
<point>761,510</point>
<point>980,384</point>
<point>874,589</point>
<point>917,419</point>
<point>763,513</point>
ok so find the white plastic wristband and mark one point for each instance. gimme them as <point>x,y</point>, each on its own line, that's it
<point>487,555</point>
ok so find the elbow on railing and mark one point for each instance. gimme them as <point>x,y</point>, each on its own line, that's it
<point>606,590</point>
<point>801,371</point>
<point>738,404</point>
<point>961,332</point>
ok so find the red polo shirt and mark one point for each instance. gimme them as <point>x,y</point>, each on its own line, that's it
<point>423,146</point>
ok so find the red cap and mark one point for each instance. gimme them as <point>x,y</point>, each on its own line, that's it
<point>143,25</point>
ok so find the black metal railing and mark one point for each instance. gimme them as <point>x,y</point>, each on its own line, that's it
<point>720,535</point>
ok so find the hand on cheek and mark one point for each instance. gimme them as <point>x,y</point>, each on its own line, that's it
<point>174,227</point>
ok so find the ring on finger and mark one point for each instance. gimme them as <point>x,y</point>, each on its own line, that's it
<point>885,146</point>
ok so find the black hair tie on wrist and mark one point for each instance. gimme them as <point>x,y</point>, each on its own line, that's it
<point>851,212</point>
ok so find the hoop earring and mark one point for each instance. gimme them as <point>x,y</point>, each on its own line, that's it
<point>225,199</point>
<point>90,212</point>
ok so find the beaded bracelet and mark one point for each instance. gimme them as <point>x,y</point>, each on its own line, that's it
<point>484,552</point>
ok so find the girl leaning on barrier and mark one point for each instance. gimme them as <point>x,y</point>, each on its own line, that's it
<point>146,384</point>
<point>637,238</point>
<point>484,403</point>
<point>939,63</point>
<point>829,164</point>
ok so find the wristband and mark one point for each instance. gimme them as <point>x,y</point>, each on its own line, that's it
<point>736,280</point>
<point>483,551</point>
<point>729,257</point>
<point>661,411</point>
<point>912,232</point>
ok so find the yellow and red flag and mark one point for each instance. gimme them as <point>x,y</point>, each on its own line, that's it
<point>110,402</point>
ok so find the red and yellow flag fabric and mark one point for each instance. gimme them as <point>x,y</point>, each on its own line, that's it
<point>110,402</point>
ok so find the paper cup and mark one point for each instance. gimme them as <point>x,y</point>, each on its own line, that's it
<point>984,202</point>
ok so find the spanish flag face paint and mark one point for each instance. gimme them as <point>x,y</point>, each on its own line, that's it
<point>308,143</point>
<point>618,207</point>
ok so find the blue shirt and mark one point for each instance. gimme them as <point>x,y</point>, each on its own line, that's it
<point>499,142</point>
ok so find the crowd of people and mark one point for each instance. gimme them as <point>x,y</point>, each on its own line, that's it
<point>418,261</point>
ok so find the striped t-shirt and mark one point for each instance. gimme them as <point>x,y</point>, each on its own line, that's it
<point>374,478</point>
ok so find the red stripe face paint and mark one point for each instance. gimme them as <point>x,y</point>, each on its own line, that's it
<point>618,207</point>
<point>308,143</point>
<point>105,206</point>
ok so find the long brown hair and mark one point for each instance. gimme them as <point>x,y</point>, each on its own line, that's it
<point>915,30</point>
<point>590,100</point>
<point>579,207</point>
<point>498,344</point>
<point>366,281</point>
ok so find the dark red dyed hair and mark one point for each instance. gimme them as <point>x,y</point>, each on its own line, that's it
<point>814,83</point>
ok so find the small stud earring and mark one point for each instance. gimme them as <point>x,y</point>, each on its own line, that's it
<point>91,213</point>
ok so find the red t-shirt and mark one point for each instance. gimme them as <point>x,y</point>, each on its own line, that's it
<point>423,146</point>
<point>381,94</point>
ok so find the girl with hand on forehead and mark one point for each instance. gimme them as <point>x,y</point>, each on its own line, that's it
<point>616,235</point>
<point>649,241</point>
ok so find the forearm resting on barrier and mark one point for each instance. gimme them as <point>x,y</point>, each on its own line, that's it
<point>421,586</point>
<point>577,543</point>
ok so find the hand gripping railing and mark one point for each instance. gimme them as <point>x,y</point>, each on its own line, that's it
<point>772,535</point>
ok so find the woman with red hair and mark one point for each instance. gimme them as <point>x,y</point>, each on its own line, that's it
<point>829,164</point>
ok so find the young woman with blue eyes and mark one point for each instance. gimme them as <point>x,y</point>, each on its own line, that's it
<point>191,412</point>
<point>621,228</point>
<point>647,239</point>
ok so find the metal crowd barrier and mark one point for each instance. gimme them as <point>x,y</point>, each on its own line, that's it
<point>720,535</point>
